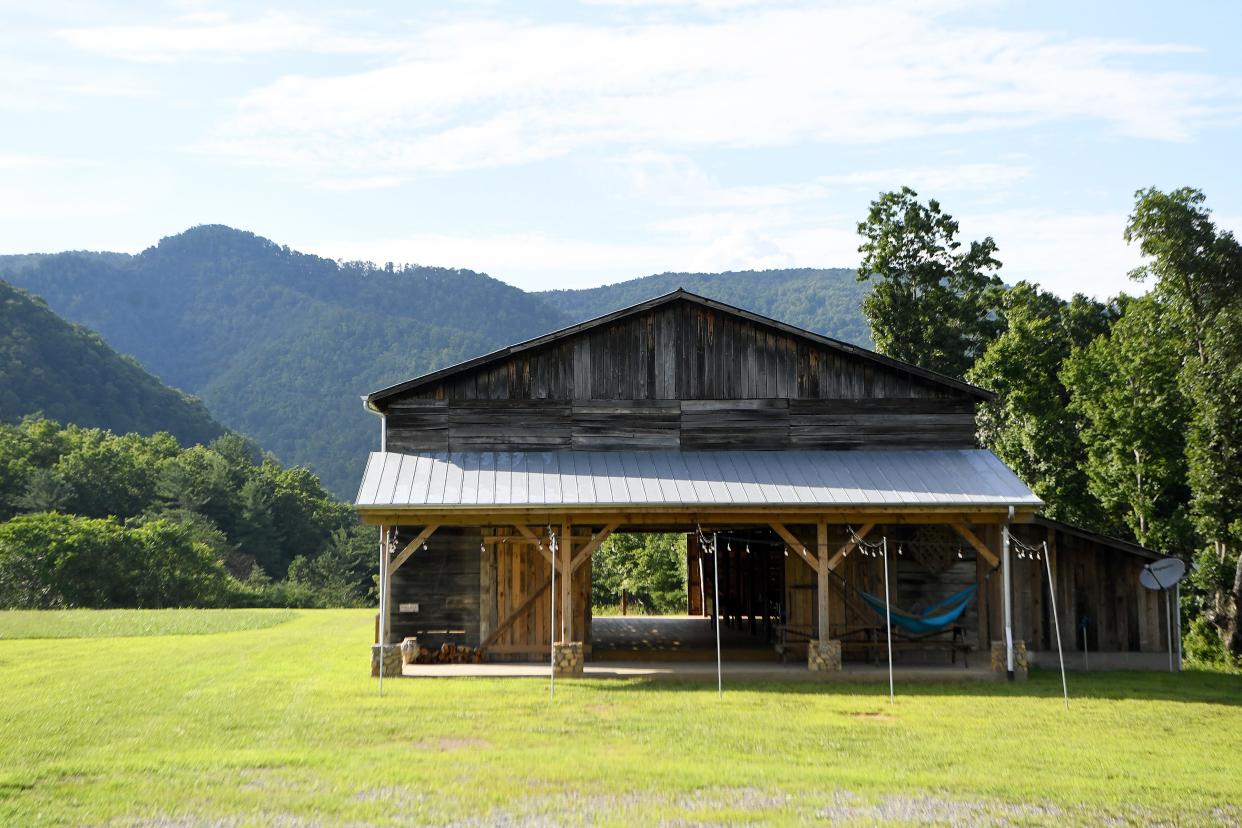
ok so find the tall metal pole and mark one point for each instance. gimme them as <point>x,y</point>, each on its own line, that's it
<point>1168,611</point>
<point>1056,623</point>
<point>552,636</point>
<point>1177,602</point>
<point>1006,577</point>
<point>382,633</point>
<point>888,621</point>
<point>716,611</point>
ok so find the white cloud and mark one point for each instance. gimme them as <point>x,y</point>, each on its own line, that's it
<point>679,180</point>
<point>16,162</point>
<point>478,94</point>
<point>951,178</point>
<point>215,35</point>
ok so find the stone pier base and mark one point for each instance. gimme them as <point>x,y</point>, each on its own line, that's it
<point>391,657</point>
<point>823,656</point>
<point>1021,664</point>
<point>567,658</point>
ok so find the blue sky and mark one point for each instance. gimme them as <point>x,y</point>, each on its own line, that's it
<point>573,144</point>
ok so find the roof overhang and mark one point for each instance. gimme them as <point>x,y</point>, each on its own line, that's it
<point>675,487</point>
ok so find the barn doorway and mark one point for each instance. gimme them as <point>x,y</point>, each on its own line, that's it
<point>654,598</point>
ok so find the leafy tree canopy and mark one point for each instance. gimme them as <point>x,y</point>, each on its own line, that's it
<point>930,299</point>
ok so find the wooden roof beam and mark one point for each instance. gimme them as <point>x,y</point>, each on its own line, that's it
<point>795,544</point>
<point>979,546</point>
<point>848,546</point>
<point>409,548</point>
<point>587,551</point>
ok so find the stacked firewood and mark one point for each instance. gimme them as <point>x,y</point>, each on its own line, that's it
<point>450,654</point>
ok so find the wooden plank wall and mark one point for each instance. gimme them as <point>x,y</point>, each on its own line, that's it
<point>519,571</point>
<point>1094,581</point>
<point>609,425</point>
<point>684,351</point>
<point>681,376</point>
<point>443,580</point>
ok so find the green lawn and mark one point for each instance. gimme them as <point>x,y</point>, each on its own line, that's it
<point>118,623</point>
<point>282,726</point>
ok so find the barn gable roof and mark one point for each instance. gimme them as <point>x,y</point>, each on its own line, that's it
<point>374,399</point>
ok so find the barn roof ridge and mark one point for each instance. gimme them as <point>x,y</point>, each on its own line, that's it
<point>680,294</point>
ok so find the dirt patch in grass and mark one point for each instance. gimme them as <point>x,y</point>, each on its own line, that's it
<point>449,743</point>
<point>927,809</point>
<point>401,796</point>
<point>873,715</point>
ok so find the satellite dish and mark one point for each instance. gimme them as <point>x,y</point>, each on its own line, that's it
<point>1163,573</point>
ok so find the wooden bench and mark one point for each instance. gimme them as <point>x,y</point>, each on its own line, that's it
<point>875,643</point>
<point>873,640</point>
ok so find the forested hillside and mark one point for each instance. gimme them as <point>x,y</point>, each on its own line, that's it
<point>280,344</point>
<point>67,372</point>
<point>822,300</point>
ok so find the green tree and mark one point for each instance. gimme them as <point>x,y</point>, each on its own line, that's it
<point>1124,387</point>
<point>343,573</point>
<point>1197,272</point>
<point>1030,424</point>
<point>50,560</point>
<point>32,444</point>
<point>113,475</point>
<point>647,570</point>
<point>930,300</point>
<point>46,491</point>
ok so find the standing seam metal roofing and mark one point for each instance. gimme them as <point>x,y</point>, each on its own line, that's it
<point>958,477</point>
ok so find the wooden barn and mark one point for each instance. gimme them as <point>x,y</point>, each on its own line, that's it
<point>793,463</point>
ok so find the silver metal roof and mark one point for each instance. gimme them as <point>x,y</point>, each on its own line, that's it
<point>961,477</point>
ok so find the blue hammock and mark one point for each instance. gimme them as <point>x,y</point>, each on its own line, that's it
<point>934,619</point>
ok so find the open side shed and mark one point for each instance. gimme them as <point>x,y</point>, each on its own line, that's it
<point>684,414</point>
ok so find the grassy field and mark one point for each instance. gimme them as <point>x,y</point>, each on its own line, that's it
<point>282,726</point>
<point>121,623</point>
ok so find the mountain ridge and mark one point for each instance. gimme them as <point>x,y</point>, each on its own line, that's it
<point>68,373</point>
<point>281,344</point>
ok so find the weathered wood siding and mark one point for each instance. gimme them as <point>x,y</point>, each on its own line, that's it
<point>1095,582</point>
<point>680,375</point>
<point>519,571</point>
<point>443,580</point>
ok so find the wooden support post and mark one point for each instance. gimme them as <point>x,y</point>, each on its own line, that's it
<point>1008,600</point>
<point>979,546</point>
<point>567,580</point>
<point>821,539</point>
<point>795,544</point>
<point>848,546</point>
<point>383,591</point>
<point>592,545</point>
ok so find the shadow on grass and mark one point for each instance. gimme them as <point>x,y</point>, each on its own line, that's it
<point>1192,686</point>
